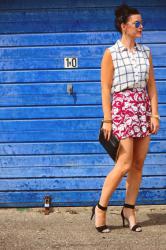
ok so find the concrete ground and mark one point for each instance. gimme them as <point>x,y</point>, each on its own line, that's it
<point>71,228</point>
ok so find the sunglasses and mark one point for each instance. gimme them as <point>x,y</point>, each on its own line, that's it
<point>138,23</point>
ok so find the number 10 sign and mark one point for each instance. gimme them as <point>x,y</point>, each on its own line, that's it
<point>71,62</point>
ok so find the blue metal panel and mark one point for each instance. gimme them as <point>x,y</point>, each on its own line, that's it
<point>57,130</point>
<point>73,20</point>
<point>76,198</point>
<point>52,57</point>
<point>48,138</point>
<point>64,4</point>
<point>87,38</point>
<point>60,171</point>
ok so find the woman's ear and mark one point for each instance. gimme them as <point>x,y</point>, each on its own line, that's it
<point>123,28</point>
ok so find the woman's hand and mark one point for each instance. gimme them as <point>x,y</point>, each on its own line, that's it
<point>107,127</point>
<point>154,125</point>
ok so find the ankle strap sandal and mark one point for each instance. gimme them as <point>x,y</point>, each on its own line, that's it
<point>136,227</point>
<point>103,228</point>
<point>129,206</point>
<point>101,207</point>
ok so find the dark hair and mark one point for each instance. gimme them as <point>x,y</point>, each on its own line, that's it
<point>122,13</point>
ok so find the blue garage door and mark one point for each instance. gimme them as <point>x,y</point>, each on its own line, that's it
<point>50,114</point>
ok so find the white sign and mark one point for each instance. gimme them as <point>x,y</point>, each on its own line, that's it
<point>71,62</point>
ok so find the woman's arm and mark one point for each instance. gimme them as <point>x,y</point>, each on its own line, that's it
<point>107,71</point>
<point>152,91</point>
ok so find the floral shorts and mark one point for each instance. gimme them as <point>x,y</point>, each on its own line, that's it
<point>131,110</point>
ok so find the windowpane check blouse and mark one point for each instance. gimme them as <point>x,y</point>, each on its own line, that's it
<point>131,69</point>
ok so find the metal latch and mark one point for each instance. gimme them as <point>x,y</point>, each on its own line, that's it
<point>70,89</point>
<point>47,204</point>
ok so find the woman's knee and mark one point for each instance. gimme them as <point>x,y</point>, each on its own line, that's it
<point>140,150</point>
<point>125,163</point>
<point>126,166</point>
<point>125,156</point>
<point>138,164</point>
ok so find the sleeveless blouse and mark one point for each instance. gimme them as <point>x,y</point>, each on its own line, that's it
<point>131,70</point>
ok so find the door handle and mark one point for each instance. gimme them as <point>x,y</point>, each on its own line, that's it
<point>70,89</point>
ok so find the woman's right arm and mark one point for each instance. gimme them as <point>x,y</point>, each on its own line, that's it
<point>107,71</point>
<point>106,83</point>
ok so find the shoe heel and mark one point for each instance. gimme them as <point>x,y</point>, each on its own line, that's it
<point>123,218</point>
<point>93,212</point>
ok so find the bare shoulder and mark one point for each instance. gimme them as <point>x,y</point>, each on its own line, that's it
<point>108,53</point>
<point>107,58</point>
<point>107,70</point>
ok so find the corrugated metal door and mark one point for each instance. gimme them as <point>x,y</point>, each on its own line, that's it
<point>49,137</point>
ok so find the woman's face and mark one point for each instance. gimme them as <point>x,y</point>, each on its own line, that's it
<point>130,27</point>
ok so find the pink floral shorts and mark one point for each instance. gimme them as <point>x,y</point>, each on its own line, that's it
<point>131,110</point>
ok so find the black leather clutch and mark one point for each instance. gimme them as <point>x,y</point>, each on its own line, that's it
<point>111,145</point>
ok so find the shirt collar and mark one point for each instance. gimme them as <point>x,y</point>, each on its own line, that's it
<point>121,47</point>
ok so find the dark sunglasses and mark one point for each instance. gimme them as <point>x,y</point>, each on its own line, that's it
<point>138,23</point>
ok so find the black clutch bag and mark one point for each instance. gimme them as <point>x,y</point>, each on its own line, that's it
<point>111,145</point>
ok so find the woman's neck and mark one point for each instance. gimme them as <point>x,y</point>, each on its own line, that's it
<point>129,43</point>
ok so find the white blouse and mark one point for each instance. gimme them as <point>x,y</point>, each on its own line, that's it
<point>131,69</point>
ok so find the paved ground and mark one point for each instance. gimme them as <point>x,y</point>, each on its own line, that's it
<point>71,228</point>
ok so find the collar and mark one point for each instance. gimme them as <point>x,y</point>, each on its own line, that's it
<point>121,47</point>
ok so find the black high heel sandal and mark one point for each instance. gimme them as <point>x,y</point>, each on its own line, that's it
<point>104,228</point>
<point>136,226</point>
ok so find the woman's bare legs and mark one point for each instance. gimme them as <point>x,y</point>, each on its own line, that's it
<point>122,166</point>
<point>140,149</point>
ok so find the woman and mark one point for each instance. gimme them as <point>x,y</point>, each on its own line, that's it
<point>132,115</point>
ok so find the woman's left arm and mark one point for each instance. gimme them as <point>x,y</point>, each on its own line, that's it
<point>153,95</point>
